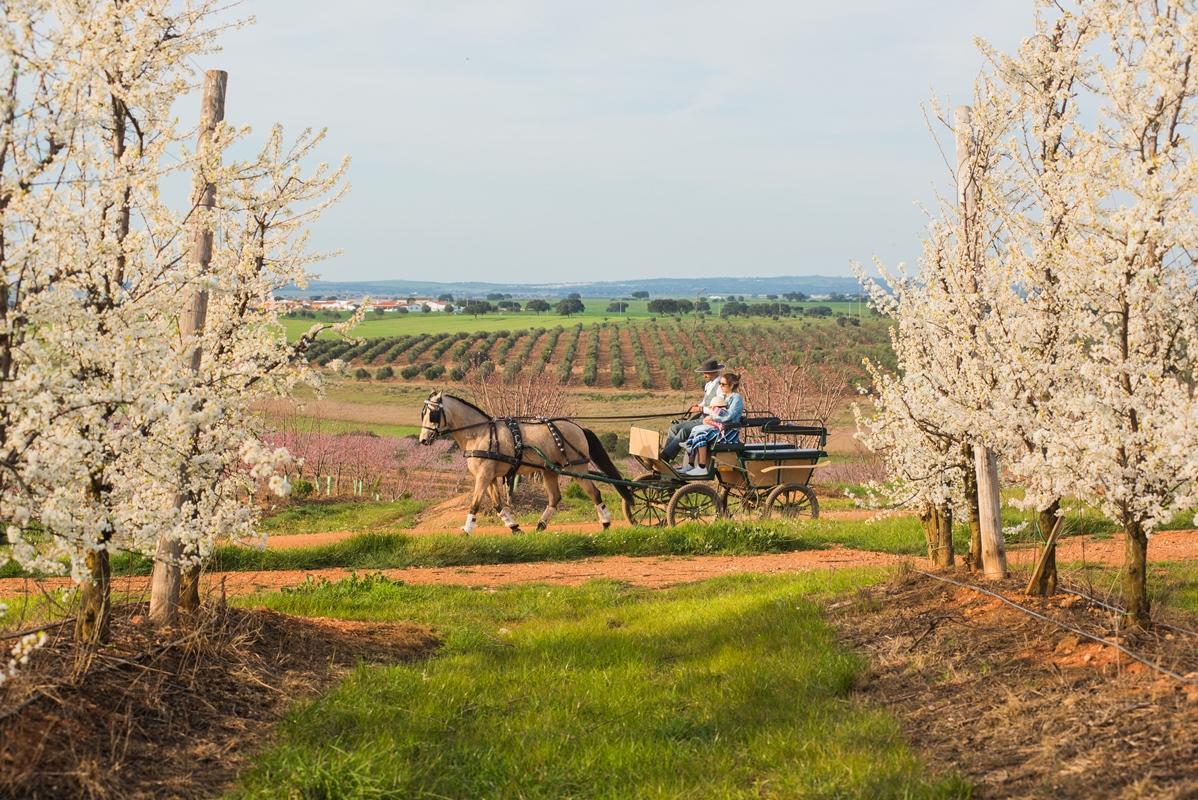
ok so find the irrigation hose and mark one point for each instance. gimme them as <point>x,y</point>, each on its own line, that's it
<point>1111,607</point>
<point>1065,626</point>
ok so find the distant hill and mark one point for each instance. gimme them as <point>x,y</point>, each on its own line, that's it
<point>657,287</point>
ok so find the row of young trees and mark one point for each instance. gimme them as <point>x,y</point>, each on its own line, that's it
<point>513,351</point>
<point>132,340</point>
<point>1054,318</point>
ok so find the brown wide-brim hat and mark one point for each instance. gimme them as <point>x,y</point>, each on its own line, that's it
<point>710,365</point>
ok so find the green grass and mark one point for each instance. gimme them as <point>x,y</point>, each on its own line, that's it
<point>392,324</point>
<point>396,550</point>
<point>310,424</point>
<point>384,546</point>
<point>1170,583</point>
<point>26,611</point>
<point>733,688</point>
<point>343,516</point>
<point>898,535</point>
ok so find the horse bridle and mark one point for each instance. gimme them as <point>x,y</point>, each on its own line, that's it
<point>434,416</point>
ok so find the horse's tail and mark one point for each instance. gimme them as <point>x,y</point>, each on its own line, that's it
<point>603,462</point>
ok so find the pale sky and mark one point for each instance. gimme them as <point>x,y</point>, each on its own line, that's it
<point>542,140</point>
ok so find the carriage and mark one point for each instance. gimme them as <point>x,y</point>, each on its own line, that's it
<point>767,474</point>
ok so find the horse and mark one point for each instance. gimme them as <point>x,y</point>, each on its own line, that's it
<point>498,449</point>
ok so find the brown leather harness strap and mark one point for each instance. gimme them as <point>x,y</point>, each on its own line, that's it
<point>517,458</point>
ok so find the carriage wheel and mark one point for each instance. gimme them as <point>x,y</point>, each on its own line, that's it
<point>648,505</point>
<point>694,502</point>
<point>790,501</point>
<point>743,502</point>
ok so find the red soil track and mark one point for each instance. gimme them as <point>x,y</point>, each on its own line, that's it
<point>649,572</point>
<point>654,572</point>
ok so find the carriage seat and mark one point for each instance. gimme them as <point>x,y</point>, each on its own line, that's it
<point>770,452</point>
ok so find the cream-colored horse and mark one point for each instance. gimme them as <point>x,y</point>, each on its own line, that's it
<point>497,448</point>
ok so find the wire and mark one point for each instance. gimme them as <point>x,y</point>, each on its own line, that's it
<point>1122,610</point>
<point>1065,626</point>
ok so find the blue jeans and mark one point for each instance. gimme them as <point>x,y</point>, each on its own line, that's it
<point>678,433</point>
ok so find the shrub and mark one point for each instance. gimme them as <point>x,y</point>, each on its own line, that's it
<point>410,371</point>
<point>457,373</point>
<point>434,371</point>
<point>362,374</point>
<point>383,373</point>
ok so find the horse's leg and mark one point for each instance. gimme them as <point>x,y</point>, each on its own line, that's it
<point>597,498</point>
<point>554,494</point>
<point>499,496</point>
<point>482,481</point>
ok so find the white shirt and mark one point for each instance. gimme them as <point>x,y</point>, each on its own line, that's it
<point>711,390</point>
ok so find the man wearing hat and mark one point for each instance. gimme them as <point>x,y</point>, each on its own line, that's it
<point>681,431</point>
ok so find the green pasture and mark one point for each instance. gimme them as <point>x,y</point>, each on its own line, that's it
<point>312,517</point>
<point>732,688</point>
<point>312,424</point>
<point>393,324</point>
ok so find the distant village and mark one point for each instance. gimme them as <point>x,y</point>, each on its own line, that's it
<point>446,303</point>
<point>410,305</point>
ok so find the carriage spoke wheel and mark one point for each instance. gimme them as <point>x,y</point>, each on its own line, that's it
<point>694,502</point>
<point>742,502</point>
<point>648,505</point>
<point>791,501</point>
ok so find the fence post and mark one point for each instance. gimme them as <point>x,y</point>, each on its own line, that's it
<point>167,578</point>
<point>994,558</point>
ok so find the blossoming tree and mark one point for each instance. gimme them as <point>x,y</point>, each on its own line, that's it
<point>1084,319</point>
<point>1128,435</point>
<point>104,423</point>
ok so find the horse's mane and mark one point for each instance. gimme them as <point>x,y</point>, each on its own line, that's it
<point>466,403</point>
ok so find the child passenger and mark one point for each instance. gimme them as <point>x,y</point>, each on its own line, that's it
<point>727,409</point>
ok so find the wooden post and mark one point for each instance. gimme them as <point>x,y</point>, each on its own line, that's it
<point>994,555</point>
<point>168,575</point>
<point>994,559</point>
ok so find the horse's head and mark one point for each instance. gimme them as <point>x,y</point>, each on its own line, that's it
<point>431,418</point>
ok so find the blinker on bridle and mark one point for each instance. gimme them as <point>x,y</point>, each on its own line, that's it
<point>434,418</point>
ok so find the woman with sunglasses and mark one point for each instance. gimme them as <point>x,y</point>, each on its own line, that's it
<point>727,409</point>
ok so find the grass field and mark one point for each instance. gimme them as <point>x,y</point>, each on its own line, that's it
<point>392,324</point>
<point>734,688</point>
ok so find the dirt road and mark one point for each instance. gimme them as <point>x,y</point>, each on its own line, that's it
<point>649,572</point>
<point>653,572</point>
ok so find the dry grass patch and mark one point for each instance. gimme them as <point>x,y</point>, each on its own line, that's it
<point>1021,707</point>
<point>173,713</point>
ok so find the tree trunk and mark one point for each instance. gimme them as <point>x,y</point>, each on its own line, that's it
<point>91,626</point>
<point>938,531</point>
<point>166,580</point>
<point>189,590</point>
<point>1135,573</point>
<point>974,560</point>
<point>1047,582</point>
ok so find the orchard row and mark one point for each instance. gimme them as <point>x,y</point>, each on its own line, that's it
<point>651,355</point>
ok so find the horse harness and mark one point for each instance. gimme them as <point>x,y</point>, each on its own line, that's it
<point>517,458</point>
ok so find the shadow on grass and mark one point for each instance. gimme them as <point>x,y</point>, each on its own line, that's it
<point>729,688</point>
